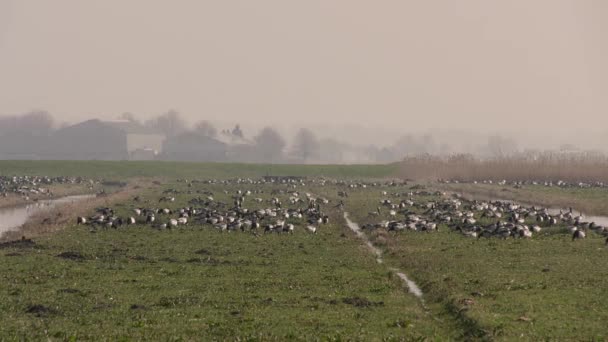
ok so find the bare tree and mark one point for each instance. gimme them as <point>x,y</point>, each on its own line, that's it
<point>38,122</point>
<point>205,128</point>
<point>332,151</point>
<point>305,146</point>
<point>410,145</point>
<point>270,145</point>
<point>500,147</point>
<point>170,123</point>
<point>128,116</point>
<point>237,132</point>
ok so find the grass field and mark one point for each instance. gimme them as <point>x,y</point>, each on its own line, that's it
<point>201,283</point>
<point>113,170</point>
<point>544,288</point>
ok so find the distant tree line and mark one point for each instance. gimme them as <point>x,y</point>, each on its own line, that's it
<point>37,122</point>
<point>271,146</point>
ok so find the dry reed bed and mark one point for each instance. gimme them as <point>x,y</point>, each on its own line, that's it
<point>545,167</point>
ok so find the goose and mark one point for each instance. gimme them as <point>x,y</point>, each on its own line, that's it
<point>396,226</point>
<point>525,233</point>
<point>578,234</point>
<point>312,229</point>
<point>471,234</point>
<point>235,226</point>
<point>430,226</point>
<point>100,219</point>
<point>289,228</point>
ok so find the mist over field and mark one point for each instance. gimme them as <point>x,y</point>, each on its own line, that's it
<point>303,170</point>
<point>407,77</point>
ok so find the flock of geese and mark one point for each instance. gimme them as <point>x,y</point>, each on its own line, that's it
<point>270,214</point>
<point>476,219</point>
<point>26,186</point>
<point>414,210</point>
<point>518,184</point>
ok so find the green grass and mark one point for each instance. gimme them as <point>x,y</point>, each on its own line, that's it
<point>199,283</point>
<point>545,288</point>
<point>129,169</point>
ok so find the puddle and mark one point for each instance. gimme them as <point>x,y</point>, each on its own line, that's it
<point>12,218</point>
<point>601,220</point>
<point>412,287</point>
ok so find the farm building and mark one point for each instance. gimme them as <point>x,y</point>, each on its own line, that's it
<point>191,146</point>
<point>139,138</point>
<point>239,149</point>
<point>88,140</point>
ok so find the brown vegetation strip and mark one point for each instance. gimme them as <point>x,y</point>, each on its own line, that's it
<point>571,168</point>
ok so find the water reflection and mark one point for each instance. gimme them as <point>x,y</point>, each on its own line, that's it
<point>14,217</point>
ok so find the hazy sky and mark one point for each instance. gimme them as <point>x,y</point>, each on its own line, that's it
<point>404,65</point>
